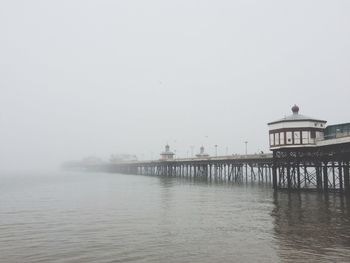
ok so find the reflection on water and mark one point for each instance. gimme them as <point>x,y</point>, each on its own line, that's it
<point>93,217</point>
<point>312,226</point>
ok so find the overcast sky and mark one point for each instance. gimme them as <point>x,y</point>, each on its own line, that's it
<point>80,78</point>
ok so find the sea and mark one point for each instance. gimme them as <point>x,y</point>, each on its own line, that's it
<point>75,216</point>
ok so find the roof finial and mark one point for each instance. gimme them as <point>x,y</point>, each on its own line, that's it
<point>295,109</point>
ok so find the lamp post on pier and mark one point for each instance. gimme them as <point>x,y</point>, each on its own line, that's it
<point>216,150</point>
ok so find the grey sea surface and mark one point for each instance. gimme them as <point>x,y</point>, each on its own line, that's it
<point>101,217</point>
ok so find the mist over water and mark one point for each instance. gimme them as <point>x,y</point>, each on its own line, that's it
<point>95,78</point>
<point>97,217</point>
<point>88,78</point>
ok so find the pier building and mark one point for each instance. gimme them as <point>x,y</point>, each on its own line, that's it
<point>202,153</point>
<point>296,130</point>
<point>307,154</point>
<point>167,154</point>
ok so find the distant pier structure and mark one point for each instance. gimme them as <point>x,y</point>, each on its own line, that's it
<point>308,154</point>
<point>236,168</point>
<point>202,153</point>
<point>167,154</point>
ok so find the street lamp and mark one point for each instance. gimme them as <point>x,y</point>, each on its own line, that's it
<point>246,147</point>
<point>216,150</point>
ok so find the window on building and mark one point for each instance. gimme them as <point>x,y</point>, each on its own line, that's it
<point>289,137</point>
<point>272,140</point>
<point>305,137</point>
<point>313,134</point>
<point>277,138</point>
<point>282,138</point>
<point>296,137</point>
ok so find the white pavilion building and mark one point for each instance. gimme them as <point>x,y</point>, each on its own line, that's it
<point>296,130</point>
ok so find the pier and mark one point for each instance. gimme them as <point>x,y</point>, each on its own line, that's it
<point>306,155</point>
<point>237,168</point>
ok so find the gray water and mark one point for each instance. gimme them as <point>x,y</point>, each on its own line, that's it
<point>97,217</point>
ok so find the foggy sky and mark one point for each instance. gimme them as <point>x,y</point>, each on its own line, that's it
<point>80,78</point>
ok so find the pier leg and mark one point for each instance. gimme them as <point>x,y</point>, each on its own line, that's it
<point>333,173</point>
<point>318,177</point>
<point>340,172</point>
<point>274,177</point>
<point>289,179</point>
<point>346,178</point>
<point>298,175</point>
<point>325,177</point>
<point>251,173</point>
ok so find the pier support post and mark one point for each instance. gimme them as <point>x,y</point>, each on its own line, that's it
<point>318,177</point>
<point>325,177</point>
<point>346,178</point>
<point>298,175</point>
<point>289,179</point>
<point>274,172</point>
<point>340,173</point>
<point>274,177</point>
